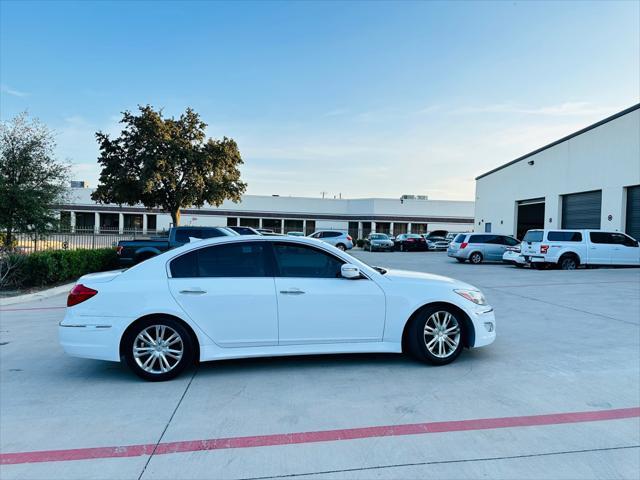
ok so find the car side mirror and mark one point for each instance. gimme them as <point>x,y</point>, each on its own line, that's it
<point>350,271</point>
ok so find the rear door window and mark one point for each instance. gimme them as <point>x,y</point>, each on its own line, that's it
<point>460,238</point>
<point>479,238</point>
<point>564,236</point>
<point>242,259</point>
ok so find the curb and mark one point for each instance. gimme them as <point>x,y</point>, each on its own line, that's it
<point>51,292</point>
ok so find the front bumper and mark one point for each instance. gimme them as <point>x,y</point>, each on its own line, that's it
<point>484,323</point>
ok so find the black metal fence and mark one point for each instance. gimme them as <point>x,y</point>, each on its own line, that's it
<point>28,242</point>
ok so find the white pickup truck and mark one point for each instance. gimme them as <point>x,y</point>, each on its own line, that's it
<point>568,249</point>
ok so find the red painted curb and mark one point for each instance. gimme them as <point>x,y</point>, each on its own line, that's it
<point>319,436</point>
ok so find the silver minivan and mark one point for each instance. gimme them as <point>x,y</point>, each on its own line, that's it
<point>479,247</point>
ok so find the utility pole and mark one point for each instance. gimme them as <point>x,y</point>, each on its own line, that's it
<point>323,194</point>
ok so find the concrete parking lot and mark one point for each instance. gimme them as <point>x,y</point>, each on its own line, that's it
<point>556,396</point>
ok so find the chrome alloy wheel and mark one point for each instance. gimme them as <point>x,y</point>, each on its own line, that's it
<point>442,334</point>
<point>158,349</point>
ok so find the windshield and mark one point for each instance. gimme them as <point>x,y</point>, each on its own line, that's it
<point>533,236</point>
<point>379,236</point>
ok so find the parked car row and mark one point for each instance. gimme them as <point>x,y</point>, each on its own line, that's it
<point>540,249</point>
<point>131,252</point>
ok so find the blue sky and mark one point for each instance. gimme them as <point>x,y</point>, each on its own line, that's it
<point>358,98</point>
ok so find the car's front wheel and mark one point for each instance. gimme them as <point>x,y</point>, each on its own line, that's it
<point>158,349</point>
<point>436,335</point>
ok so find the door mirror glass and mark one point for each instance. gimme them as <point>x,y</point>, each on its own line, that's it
<point>350,271</point>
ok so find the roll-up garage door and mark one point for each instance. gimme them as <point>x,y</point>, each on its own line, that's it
<point>582,210</point>
<point>633,212</point>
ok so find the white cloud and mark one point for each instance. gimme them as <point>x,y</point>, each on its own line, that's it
<point>12,91</point>
<point>559,110</point>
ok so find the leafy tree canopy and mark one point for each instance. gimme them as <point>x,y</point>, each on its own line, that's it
<point>32,181</point>
<point>167,163</point>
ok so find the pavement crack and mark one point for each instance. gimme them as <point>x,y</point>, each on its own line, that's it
<point>444,462</point>
<point>155,447</point>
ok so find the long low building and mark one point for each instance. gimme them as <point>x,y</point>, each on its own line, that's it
<point>359,217</point>
<point>589,179</point>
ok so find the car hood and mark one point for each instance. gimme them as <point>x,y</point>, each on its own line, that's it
<point>419,277</point>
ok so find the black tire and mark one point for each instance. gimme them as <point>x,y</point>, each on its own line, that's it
<point>131,341</point>
<point>461,260</point>
<point>418,339</point>
<point>475,258</point>
<point>568,262</point>
<point>342,247</point>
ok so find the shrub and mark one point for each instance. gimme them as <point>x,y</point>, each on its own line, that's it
<point>50,267</point>
<point>360,242</point>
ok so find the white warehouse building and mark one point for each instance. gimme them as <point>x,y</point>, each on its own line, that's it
<point>358,217</point>
<point>589,179</point>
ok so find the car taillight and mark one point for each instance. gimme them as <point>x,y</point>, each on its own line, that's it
<point>463,245</point>
<point>79,294</point>
<point>411,240</point>
<point>349,238</point>
<point>119,249</point>
<point>544,248</point>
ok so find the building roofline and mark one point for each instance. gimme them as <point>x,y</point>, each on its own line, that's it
<point>563,139</point>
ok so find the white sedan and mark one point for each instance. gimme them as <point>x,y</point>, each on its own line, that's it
<point>257,296</point>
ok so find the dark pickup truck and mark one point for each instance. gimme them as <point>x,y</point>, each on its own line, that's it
<point>131,252</point>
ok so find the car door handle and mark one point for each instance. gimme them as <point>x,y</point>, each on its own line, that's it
<point>193,291</point>
<point>293,291</point>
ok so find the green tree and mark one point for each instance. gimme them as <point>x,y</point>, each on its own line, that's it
<point>32,181</point>
<point>167,163</point>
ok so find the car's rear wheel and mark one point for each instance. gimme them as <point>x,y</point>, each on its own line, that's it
<point>158,349</point>
<point>342,247</point>
<point>568,262</point>
<point>436,335</point>
<point>475,258</point>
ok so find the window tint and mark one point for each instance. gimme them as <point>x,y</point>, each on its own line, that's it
<point>185,266</point>
<point>480,238</point>
<point>303,261</point>
<point>564,236</point>
<point>494,239</point>
<point>242,259</point>
<point>533,236</point>
<point>183,234</point>
<point>510,241</point>
<point>601,237</point>
<point>612,238</point>
<point>331,234</point>
<point>460,238</point>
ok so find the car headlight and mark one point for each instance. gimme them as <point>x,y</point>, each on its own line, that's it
<point>473,296</point>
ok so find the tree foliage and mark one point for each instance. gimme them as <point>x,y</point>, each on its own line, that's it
<point>167,163</point>
<point>32,181</point>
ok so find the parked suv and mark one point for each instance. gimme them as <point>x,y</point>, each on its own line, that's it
<point>479,247</point>
<point>568,249</point>
<point>338,239</point>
